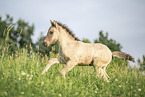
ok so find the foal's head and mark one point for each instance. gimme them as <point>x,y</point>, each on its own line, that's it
<point>52,34</point>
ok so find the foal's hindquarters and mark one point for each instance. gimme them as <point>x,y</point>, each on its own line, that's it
<point>102,57</point>
<point>84,53</point>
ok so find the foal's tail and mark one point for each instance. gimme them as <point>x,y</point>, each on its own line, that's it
<point>123,55</point>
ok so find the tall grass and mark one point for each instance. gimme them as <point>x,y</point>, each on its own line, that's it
<point>20,75</point>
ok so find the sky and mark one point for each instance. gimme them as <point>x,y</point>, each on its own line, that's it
<point>124,20</point>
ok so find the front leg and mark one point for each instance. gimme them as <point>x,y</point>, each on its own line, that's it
<point>70,64</point>
<point>50,62</point>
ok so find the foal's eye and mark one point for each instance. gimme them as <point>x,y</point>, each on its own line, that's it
<point>51,32</point>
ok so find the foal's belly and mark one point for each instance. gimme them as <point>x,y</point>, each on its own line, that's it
<point>91,64</point>
<point>85,60</point>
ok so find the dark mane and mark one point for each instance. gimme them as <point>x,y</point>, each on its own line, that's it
<point>68,30</point>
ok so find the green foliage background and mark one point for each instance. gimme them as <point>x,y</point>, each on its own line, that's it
<point>142,63</point>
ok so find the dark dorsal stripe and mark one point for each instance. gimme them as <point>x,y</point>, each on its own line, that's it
<point>68,30</point>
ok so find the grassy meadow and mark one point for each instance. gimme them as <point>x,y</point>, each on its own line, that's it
<point>20,76</point>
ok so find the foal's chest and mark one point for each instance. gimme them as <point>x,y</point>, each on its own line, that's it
<point>63,56</point>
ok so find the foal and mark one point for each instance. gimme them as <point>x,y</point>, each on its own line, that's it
<point>73,52</point>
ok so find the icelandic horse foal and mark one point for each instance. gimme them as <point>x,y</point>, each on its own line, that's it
<point>73,52</point>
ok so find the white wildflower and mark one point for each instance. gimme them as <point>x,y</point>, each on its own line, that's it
<point>59,94</point>
<point>28,75</point>
<point>131,87</point>
<point>23,73</point>
<point>19,78</point>
<point>42,83</point>
<point>22,92</point>
<point>139,89</point>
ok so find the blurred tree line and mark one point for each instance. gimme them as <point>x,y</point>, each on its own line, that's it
<point>110,43</point>
<point>141,63</point>
<point>15,34</point>
<point>18,35</point>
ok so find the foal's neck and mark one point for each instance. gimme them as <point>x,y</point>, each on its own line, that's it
<point>65,39</point>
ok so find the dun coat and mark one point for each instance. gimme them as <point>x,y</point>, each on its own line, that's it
<point>73,52</point>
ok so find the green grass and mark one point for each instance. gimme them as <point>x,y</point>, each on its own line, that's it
<point>20,75</point>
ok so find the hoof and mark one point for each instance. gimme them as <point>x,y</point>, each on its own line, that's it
<point>43,72</point>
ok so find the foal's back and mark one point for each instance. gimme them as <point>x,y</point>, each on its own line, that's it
<point>87,52</point>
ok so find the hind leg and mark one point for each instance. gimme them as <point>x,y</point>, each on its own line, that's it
<point>100,67</point>
<point>101,73</point>
<point>98,70</point>
<point>106,73</point>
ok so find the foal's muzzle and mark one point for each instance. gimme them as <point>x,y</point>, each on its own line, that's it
<point>47,44</point>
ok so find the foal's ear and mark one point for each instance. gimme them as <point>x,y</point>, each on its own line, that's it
<point>52,24</point>
<point>55,24</point>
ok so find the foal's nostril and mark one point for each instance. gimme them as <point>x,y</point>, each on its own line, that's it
<point>44,43</point>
